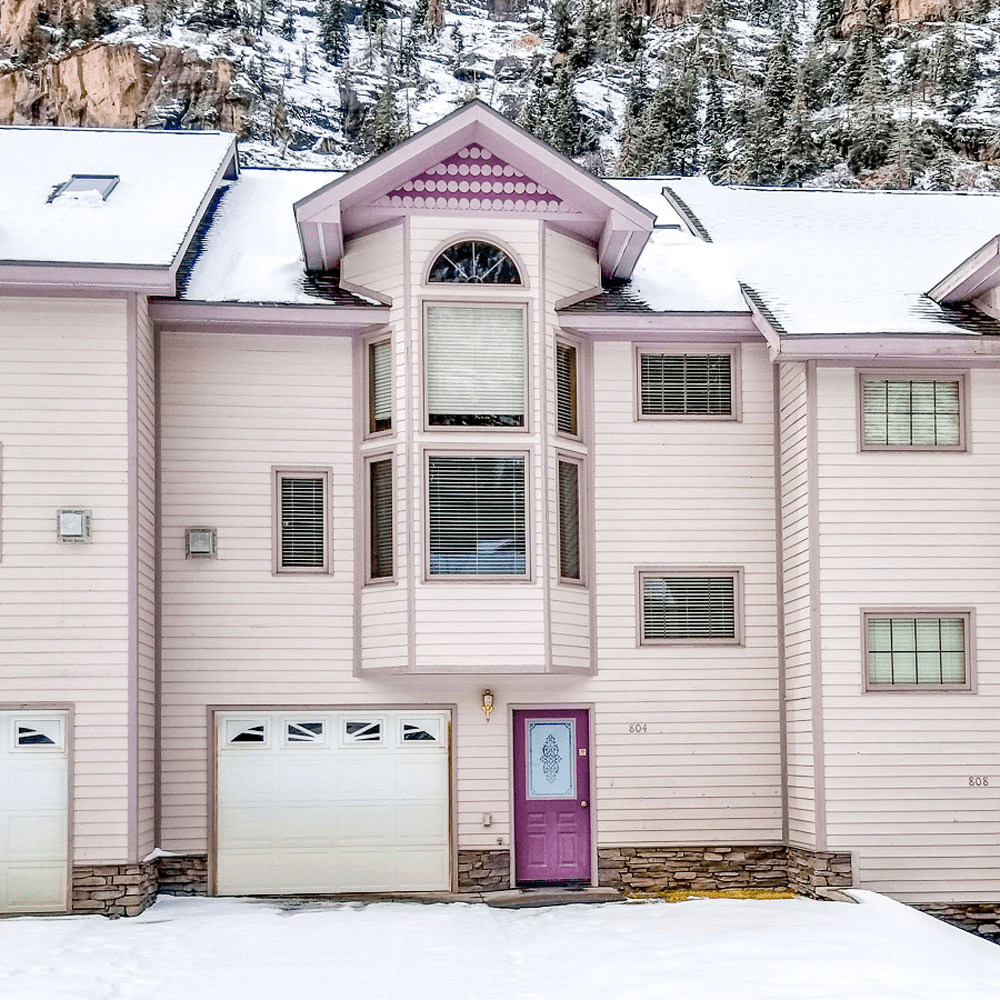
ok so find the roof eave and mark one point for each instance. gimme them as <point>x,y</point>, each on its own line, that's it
<point>39,277</point>
<point>972,277</point>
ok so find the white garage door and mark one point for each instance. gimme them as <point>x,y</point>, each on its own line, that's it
<point>34,784</point>
<point>332,802</point>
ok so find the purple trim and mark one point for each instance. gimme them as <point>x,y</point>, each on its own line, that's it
<point>779,551</point>
<point>543,443</point>
<point>42,278</point>
<point>815,616</point>
<point>132,335</point>
<point>585,407</point>
<point>279,472</point>
<point>411,454</point>
<point>896,349</point>
<point>359,407</point>
<point>686,325</point>
<point>243,318</point>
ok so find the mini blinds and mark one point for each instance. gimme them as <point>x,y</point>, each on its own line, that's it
<point>303,522</point>
<point>380,518</point>
<point>689,607</point>
<point>916,651</point>
<point>911,413</point>
<point>476,517</point>
<point>475,366</point>
<point>569,520</point>
<point>686,384</point>
<point>379,386</point>
<point>566,388</point>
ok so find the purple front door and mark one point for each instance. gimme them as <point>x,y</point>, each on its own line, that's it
<point>551,795</point>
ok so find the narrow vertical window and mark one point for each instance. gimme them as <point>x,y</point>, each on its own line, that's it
<point>302,522</point>
<point>566,389</point>
<point>379,387</point>
<point>569,520</point>
<point>380,518</point>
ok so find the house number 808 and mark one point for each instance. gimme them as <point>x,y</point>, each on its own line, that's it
<point>637,727</point>
<point>979,782</point>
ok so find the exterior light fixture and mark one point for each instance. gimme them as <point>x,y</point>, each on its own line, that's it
<point>200,543</point>
<point>73,525</point>
<point>487,703</point>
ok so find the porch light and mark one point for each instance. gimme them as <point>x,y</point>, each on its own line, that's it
<point>487,703</point>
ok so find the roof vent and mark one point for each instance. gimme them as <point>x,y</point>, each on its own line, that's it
<point>102,184</point>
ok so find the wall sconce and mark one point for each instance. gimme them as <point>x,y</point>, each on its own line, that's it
<point>487,703</point>
<point>73,525</point>
<point>200,543</point>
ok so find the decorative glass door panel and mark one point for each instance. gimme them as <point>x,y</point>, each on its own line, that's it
<point>551,796</point>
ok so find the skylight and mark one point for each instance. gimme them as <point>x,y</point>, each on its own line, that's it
<point>102,184</point>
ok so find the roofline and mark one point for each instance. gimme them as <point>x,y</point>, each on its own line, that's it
<point>971,277</point>
<point>629,325</point>
<point>308,319</point>
<point>890,348</point>
<point>694,225</point>
<point>40,277</point>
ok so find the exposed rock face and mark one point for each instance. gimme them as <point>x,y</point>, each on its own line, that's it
<point>117,86</point>
<point>858,13</point>
<point>670,13</point>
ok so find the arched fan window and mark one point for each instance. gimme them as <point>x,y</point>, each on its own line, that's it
<point>474,262</point>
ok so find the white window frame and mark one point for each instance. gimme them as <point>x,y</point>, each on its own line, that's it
<point>368,419</point>
<point>477,301</point>
<point>736,572</point>
<point>968,615</point>
<point>697,350</point>
<point>445,578</point>
<point>915,375</point>
<point>436,287</point>
<point>278,473</point>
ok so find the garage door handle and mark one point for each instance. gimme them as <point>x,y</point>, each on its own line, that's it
<point>583,804</point>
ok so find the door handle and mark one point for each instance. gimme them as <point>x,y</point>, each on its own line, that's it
<point>583,804</point>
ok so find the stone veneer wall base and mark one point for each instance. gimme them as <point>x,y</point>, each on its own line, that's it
<point>981,919</point>
<point>126,890</point>
<point>483,871</point>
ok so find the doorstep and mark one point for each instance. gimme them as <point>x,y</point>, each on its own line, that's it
<point>551,896</point>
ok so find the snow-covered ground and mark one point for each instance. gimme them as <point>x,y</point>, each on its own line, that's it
<point>709,949</point>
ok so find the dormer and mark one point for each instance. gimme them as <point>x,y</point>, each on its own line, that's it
<point>475,162</point>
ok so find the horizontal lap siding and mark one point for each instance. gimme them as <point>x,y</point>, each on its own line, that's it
<point>911,530</point>
<point>798,597</point>
<point>704,763</point>
<point>232,632</point>
<point>64,433</point>
<point>145,473</point>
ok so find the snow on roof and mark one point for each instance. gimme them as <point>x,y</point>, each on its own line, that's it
<point>252,251</point>
<point>163,179</point>
<point>844,262</point>
<point>648,192</point>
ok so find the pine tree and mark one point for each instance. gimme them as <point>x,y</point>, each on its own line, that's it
<point>333,32</point>
<point>211,13</point>
<point>828,17</point>
<point>562,33</point>
<point>583,52</point>
<point>756,141</point>
<point>457,44</point>
<point>32,48</point>
<point>418,16</point>
<point>287,29</point>
<point>779,81</point>
<point>715,130</point>
<point>566,123</point>
<point>385,127</point>
<point>631,30</point>
<point>373,15</point>
<point>534,117</point>
<point>630,139</point>
<point>813,78</point>
<point>799,155</point>
<point>941,176</point>
<point>230,16</point>
<point>305,66</point>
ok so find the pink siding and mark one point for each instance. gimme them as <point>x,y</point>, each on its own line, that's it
<point>914,529</point>
<point>64,431</point>
<point>795,529</point>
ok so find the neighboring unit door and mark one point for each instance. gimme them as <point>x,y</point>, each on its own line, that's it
<point>34,812</point>
<point>321,802</point>
<point>551,795</point>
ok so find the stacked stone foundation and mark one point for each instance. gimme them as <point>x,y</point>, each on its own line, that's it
<point>982,919</point>
<point>483,871</point>
<point>126,890</point>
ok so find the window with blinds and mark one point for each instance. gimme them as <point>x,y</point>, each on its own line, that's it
<point>302,522</point>
<point>569,520</point>
<point>475,366</point>
<point>566,418</point>
<point>379,387</point>
<point>911,413</point>
<point>677,385</point>
<point>689,608</point>
<point>380,518</point>
<point>907,651</point>
<point>476,515</point>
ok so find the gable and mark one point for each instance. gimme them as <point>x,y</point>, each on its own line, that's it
<point>473,161</point>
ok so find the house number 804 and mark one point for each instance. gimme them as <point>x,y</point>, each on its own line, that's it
<point>979,781</point>
<point>637,727</point>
